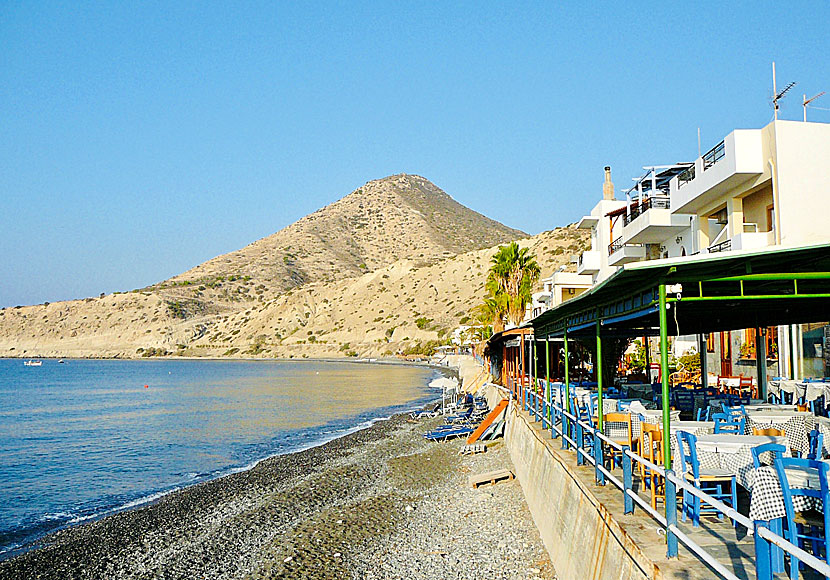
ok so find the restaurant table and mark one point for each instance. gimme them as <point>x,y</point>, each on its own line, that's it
<point>764,407</point>
<point>795,424</point>
<point>617,430</point>
<point>816,390</point>
<point>732,453</point>
<point>795,388</point>
<point>767,500</point>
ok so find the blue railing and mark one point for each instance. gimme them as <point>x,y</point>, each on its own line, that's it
<point>543,406</point>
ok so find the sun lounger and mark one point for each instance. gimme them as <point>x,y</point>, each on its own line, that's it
<point>444,434</point>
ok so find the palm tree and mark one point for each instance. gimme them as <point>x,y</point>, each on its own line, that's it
<point>514,271</point>
<point>492,311</point>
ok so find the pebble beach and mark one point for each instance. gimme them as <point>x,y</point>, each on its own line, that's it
<point>378,503</point>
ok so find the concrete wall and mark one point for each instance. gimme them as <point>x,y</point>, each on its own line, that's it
<point>583,540</point>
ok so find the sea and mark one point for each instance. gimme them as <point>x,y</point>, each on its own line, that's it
<point>85,438</point>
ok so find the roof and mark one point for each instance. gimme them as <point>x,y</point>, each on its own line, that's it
<point>732,290</point>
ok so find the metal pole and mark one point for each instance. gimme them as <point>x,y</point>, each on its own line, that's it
<point>567,402</point>
<point>702,340</point>
<point>547,376</point>
<point>598,365</point>
<point>664,374</point>
<point>761,362</point>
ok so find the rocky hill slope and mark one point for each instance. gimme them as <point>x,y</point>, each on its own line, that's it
<point>395,264</point>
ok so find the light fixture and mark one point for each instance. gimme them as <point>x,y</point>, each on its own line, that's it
<point>678,239</point>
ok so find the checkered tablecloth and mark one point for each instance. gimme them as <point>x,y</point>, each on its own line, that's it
<point>767,500</point>
<point>795,388</point>
<point>813,391</point>
<point>619,431</point>
<point>796,427</point>
<point>736,460</point>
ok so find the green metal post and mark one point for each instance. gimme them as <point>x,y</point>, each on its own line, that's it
<point>664,374</point>
<point>567,402</point>
<point>598,367</point>
<point>547,376</point>
<point>761,362</point>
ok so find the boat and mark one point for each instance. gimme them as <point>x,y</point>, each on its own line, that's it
<point>33,363</point>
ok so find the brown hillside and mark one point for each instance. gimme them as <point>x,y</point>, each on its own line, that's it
<point>369,315</point>
<point>390,219</point>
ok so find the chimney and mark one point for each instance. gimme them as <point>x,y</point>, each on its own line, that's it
<point>607,187</point>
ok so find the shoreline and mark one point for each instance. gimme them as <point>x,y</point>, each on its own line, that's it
<point>330,511</point>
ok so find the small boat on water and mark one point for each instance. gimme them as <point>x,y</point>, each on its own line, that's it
<point>32,363</point>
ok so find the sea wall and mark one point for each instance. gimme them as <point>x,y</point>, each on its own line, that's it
<point>582,538</point>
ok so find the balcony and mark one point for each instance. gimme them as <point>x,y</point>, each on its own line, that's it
<point>620,252</point>
<point>652,222</point>
<point>731,163</point>
<point>588,262</point>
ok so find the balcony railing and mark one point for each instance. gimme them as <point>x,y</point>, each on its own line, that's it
<point>660,202</point>
<point>714,155</point>
<point>724,246</point>
<point>686,176</point>
<point>618,244</point>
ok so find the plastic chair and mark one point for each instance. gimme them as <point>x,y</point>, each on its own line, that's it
<point>710,481</point>
<point>803,529</point>
<point>651,448</point>
<point>728,424</point>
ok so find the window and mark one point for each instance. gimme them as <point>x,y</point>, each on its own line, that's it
<point>770,218</point>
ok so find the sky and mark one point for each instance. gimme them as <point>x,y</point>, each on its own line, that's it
<point>139,139</point>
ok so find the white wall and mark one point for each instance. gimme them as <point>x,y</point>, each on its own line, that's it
<point>803,168</point>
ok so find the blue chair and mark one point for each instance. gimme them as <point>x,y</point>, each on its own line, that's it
<point>703,413</point>
<point>729,424</point>
<point>816,445</point>
<point>684,400</point>
<point>710,481</point>
<point>776,449</point>
<point>803,529</point>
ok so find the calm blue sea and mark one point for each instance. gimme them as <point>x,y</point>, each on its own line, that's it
<point>86,438</point>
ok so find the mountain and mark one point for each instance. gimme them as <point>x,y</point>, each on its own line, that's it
<point>395,263</point>
<point>386,220</point>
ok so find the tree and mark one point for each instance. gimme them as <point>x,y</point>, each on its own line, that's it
<point>514,271</point>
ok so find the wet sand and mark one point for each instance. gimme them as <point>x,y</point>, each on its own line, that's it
<point>378,503</point>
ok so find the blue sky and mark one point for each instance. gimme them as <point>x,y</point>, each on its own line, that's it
<point>140,139</point>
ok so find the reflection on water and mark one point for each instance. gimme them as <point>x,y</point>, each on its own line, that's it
<point>87,436</point>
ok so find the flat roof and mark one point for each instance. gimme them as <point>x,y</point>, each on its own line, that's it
<point>722,291</point>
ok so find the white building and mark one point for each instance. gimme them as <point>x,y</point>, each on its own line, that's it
<point>757,188</point>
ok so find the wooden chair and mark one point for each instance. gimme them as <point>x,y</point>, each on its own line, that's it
<point>771,431</point>
<point>623,439</point>
<point>746,385</point>
<point>651,448</point>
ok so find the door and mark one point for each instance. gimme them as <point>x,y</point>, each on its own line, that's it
<point>726,354</point>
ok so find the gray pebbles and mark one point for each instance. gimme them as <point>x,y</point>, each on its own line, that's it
<point>380,503</point>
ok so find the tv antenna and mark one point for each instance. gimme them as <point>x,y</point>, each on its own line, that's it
<point>807,101</point>
<point>778,96</point>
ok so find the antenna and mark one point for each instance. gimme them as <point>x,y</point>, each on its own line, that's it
<point>808,101</point>
<point>778,96</point>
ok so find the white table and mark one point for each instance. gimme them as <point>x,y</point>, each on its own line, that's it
<point>795,424</point>
<point>733,453</point>
<point>767,501</point>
